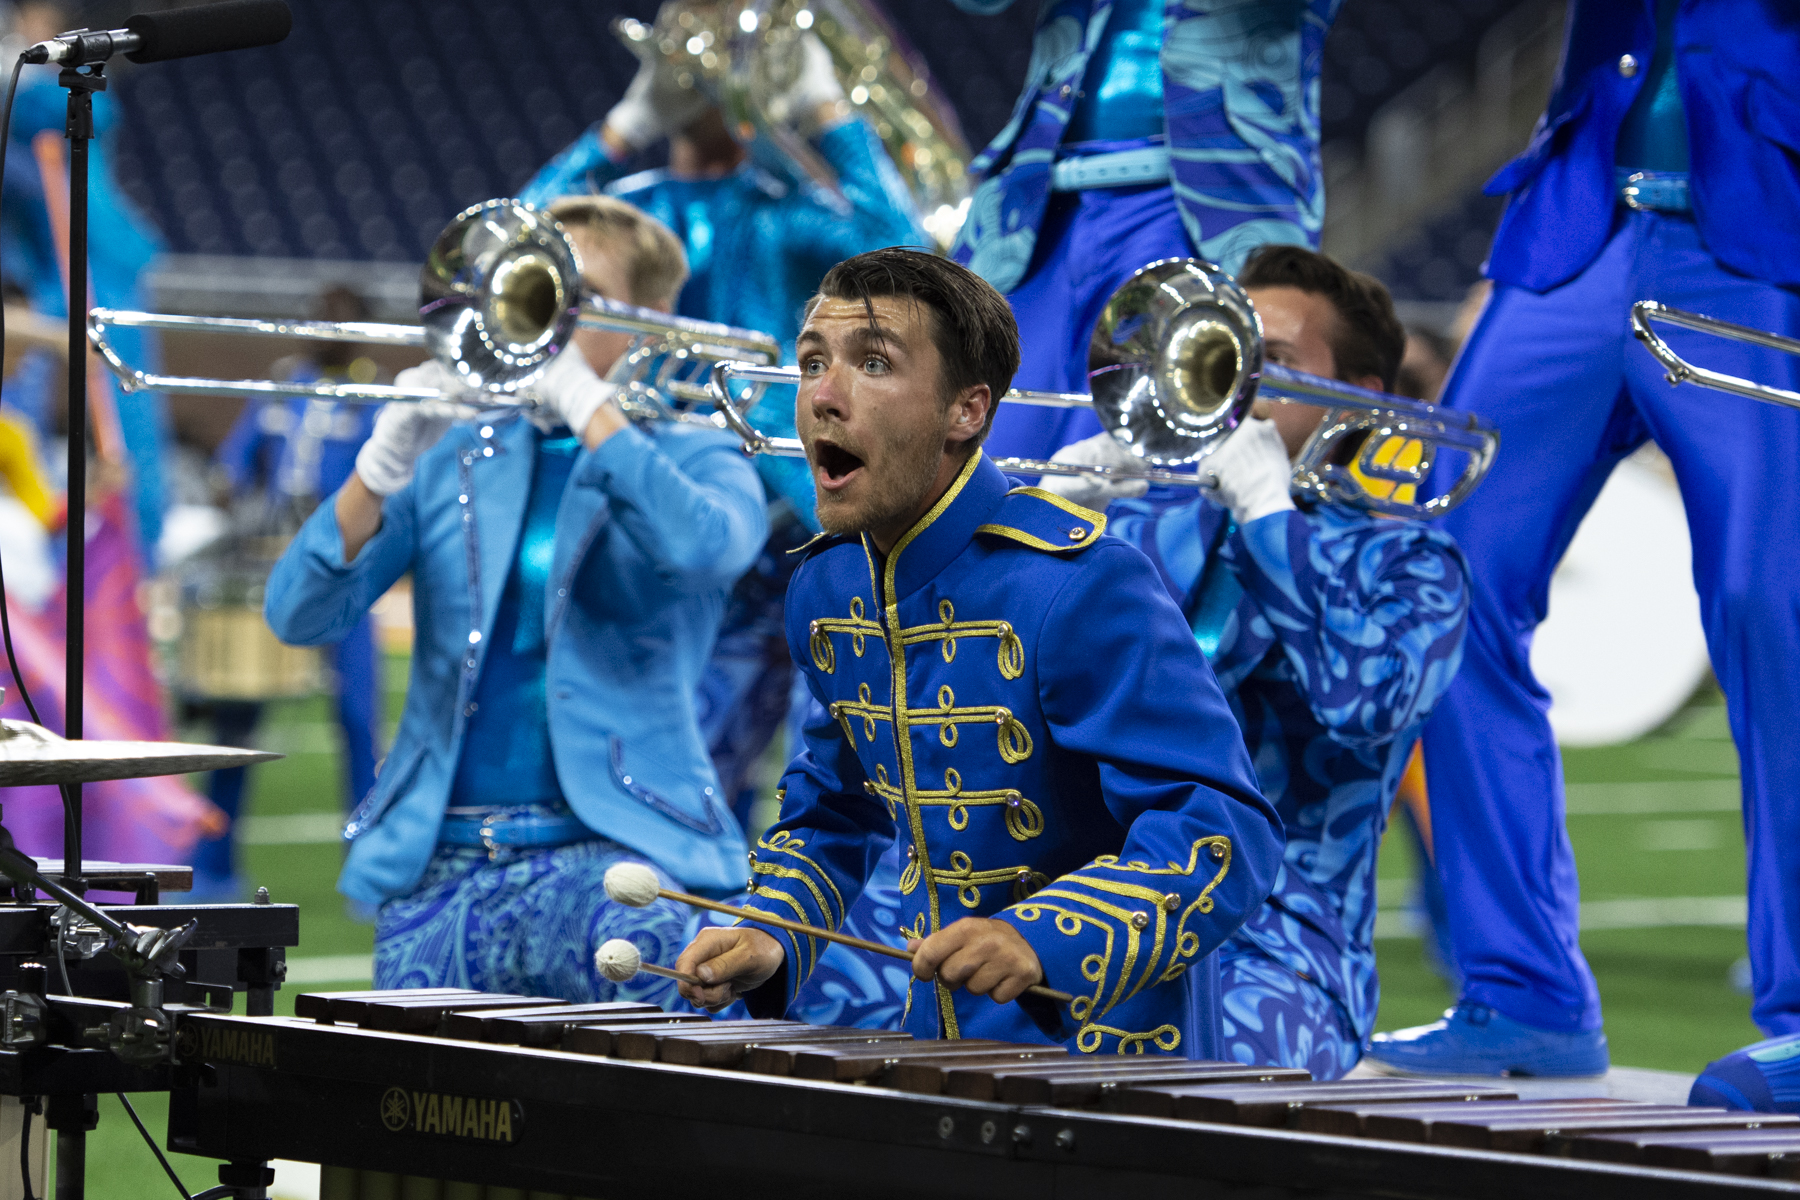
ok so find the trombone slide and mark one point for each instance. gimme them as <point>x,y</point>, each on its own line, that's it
<point>1678,370</point>
<point>1351,410</point>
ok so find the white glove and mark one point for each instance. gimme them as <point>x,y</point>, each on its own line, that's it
<point>1250,473</point>
<point>1095,491</point>
<point>655,105</point>
<point>570,389</point>
<point>405,429</point>
<point>818,85</point>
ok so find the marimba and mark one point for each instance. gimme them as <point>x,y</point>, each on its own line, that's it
<point>399,1093</point>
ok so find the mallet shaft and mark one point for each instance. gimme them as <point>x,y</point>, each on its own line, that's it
<point>670,973</point>
<point>843,939</point>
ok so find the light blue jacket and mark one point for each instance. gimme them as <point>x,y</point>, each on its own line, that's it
<point>653,530</point>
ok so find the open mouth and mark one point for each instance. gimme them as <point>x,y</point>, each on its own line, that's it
<point>834,464</point>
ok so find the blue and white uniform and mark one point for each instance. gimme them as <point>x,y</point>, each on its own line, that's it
<point>757,247</point>
<point>1147,129</point>
<point>565,603</point>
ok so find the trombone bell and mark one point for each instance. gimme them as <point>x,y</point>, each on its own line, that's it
<point>1174,360</point>
<point>500,295</point>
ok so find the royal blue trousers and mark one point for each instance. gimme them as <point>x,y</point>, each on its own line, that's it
<point>1090,243</point>
<point>1572,393</point>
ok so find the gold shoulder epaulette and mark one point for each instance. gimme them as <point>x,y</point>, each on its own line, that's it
<point>812,544</point>
<point>1045,521</point>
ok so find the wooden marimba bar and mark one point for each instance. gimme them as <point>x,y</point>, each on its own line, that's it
<point>522,1097</point>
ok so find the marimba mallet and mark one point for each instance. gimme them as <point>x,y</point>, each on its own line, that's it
<point>619,960</point>
<point>635,885</point>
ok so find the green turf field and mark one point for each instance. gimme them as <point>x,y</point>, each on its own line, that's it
<point>1655,827</point>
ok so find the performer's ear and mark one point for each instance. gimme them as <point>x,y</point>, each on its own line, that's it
<point>971,413</point>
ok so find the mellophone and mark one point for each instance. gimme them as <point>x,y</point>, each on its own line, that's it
<point>468,1096</point>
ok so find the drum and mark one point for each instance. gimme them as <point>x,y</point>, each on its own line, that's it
<point>226,650</point>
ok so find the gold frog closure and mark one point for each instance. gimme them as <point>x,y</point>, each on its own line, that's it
<point>863,706</point>
<point>1024,820</point>
<point>859,627</point>
<point>968,881</point>
<point>1014,738</point>
<point>1010,657</point>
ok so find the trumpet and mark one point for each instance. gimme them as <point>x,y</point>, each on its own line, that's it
<point>500,297</point>
<point>1175,364</point>
<point>1678,370</point>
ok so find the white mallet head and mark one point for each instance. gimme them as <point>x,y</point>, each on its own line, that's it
<point>618,959</point>
<point>632,884</point>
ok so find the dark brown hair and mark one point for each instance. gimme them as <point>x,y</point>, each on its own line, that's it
<point>971,325</point>
<point>1369,339</point>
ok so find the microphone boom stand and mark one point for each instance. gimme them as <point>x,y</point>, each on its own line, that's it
<point>73,1116</point>
<point>82,85</point>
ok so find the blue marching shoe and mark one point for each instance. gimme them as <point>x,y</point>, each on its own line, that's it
<point>1473,1039</point>
<point>1764,1077</point>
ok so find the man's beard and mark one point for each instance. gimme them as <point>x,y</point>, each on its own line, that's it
<point>896,493</point>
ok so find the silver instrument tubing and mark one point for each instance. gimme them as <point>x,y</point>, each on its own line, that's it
<point>500,297</point>
<point>1678,370</point>
<point>1176,363</point>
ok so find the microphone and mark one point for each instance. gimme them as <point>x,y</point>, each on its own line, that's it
<point>177,33</point>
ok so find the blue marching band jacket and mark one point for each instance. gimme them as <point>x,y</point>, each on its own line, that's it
<point>1014,696</point>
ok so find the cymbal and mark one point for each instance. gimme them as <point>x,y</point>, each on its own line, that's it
<point>31,754</point>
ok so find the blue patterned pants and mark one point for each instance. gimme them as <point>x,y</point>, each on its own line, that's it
<point>526,922</point>
<point>1272,1017</point>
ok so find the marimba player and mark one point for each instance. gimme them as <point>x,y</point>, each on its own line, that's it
<point>1004,688</point>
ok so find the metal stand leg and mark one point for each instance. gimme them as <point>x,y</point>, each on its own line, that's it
<point>71,1116</point>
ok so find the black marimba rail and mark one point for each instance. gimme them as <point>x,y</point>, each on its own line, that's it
<point>260,1088</point>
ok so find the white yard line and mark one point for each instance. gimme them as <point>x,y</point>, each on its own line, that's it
<point>330,968</point>
<point>1629,912</point>
<point>1667,796</point>
<point>291,829</point>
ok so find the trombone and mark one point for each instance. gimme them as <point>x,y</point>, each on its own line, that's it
<point>500,297</point>
<point>1678,370</point>
<point>1175,364</point>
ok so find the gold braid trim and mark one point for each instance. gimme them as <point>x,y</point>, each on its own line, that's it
<point>1024,820</point>
<point>1014,738</point>
<point>863,706</point>
<point>1010,657</point>
<point>968,882</point>
<point>1093,967</point>
<point>860,629</point>
<point>1132,936</point>
<point>782,842</point>
<point>812,944</point>
<point>902,732</point>
<point>1186,943</point>
<point>1091,1038</point>
<point>885,791</point>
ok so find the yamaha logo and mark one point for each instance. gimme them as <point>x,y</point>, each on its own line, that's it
<point>396,1112</point>
<point>466,1117</point>
<point>187,1042</point>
